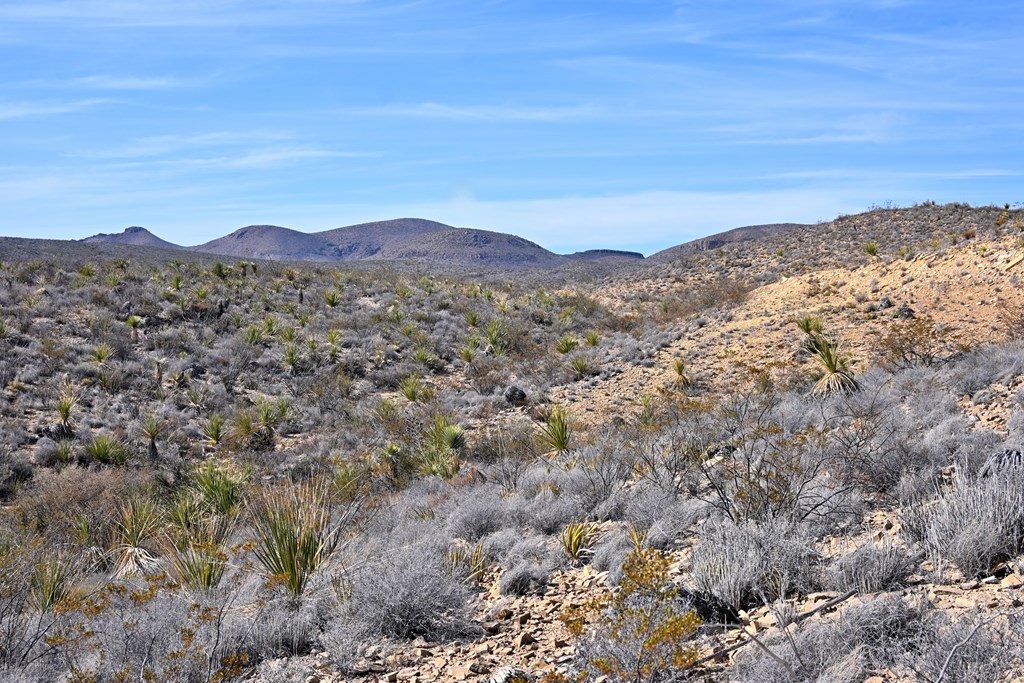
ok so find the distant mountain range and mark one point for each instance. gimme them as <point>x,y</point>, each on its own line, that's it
<point>414,239</point>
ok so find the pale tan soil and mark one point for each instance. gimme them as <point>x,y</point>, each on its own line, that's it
<point>967,289</point>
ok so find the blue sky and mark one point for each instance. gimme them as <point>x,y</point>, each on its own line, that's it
<point>622,124</point>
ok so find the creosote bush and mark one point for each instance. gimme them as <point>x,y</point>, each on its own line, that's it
<point>642,632</point>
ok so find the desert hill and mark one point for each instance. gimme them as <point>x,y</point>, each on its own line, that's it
<point>741,234</point>
<point>133,236</point>
<point>272,243</point>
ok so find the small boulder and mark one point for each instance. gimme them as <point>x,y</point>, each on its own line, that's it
<point>515,396</point>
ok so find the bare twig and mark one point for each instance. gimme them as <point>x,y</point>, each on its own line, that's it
<point>967,639</point>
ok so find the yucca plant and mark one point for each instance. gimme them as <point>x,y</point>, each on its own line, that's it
<point>682,378</point>
<point>136,528</point>
<point>442,434</point>
<point>213,429</point>
<point>65,405</point>
<point>837,377</point>
<point>332,298</point>
<point>152,427</point>
<point>810,325</point>
<point>582,367</point>
<point>566,344</point>
<point>578,539</point>
<point>556,433</point>
<point>133,322</point>
<point>294,534</point>
<point>415,389</point>
<point>592,338</point>
<point>107,450</point>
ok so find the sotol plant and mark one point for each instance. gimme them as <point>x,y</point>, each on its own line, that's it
<point>294,534</point>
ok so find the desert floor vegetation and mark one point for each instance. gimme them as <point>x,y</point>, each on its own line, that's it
<point>209,468</point>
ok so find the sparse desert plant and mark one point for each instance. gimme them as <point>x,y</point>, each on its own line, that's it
<point>107,449</point>
<point>643,632</point>
<point>749,564</point>
<point>975,524</point>
<point>405,593</point>
<point>871,568</point>
<point>578,539</point>
<point>332,298</point>
<point>294,533</point>
<point>136,528</point>
<point>566,344</point>
<point>871,249</point>
<point>837,378</point>
<point>556,432</point>
<point>917,342</point>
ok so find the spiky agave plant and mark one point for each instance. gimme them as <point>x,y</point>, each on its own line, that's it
<point>837,377</point>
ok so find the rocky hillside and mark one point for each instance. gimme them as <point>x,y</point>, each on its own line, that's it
<point>134,236</point>
<point>743,234</point>
<point>272,243</point>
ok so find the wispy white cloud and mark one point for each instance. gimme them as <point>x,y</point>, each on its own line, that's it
<point>31,110</point>
<point>191,13</point>
<point>111,82</point>
<point>159,145</point>
<point>490,113</point>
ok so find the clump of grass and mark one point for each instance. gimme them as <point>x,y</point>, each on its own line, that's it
<point>221,487</point>
<point>51,582</point>
<point>470,563</point>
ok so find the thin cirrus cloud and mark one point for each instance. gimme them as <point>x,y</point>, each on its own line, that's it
<point>486,113</point>
<point>32,110</point>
